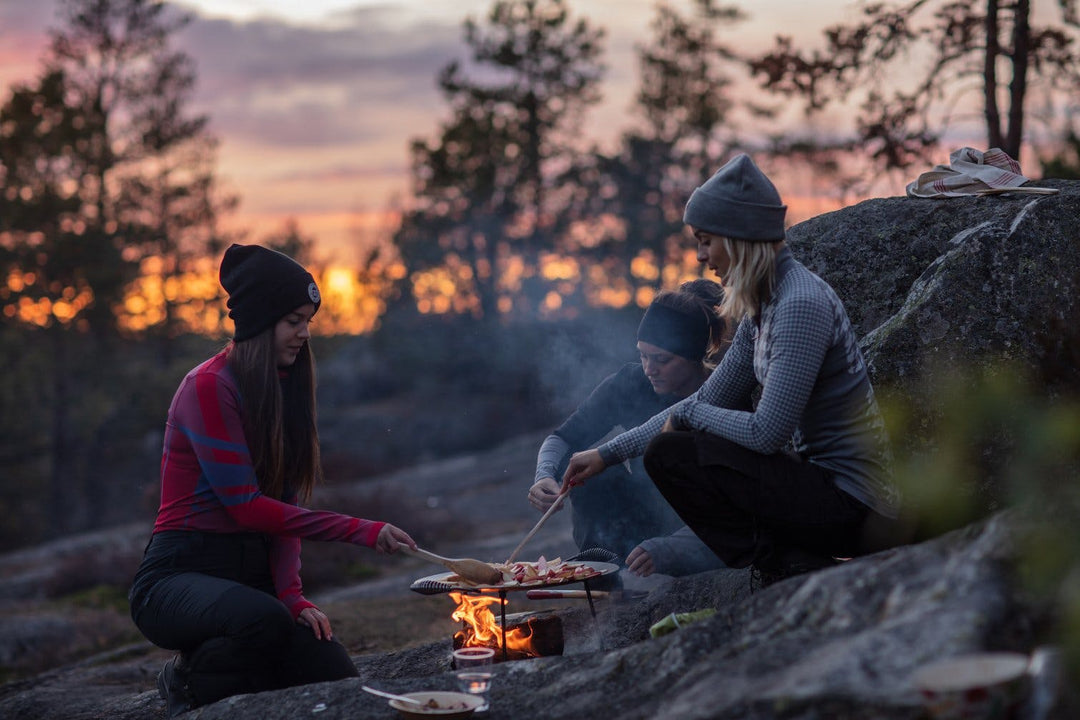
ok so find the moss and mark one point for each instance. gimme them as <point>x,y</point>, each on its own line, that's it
<point>361,571</point>
<point>100,597</point>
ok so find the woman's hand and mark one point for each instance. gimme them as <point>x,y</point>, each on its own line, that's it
<point>583,465</point>
<point>390,538</point>
<point>639,562</point>
<point>543,493</point>
<point>315,619</point>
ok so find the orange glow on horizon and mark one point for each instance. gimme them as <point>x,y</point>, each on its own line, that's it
<point>352,303</point>
<point>355,297</point>
<point>57,304</point>
<point>342,237</point>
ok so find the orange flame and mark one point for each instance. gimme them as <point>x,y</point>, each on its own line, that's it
<point>480,628</point>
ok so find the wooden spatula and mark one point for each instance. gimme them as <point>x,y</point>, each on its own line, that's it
<point>539,523</point>
<point>471,571</point>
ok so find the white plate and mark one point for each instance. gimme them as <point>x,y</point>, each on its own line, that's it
<point>454,704</point>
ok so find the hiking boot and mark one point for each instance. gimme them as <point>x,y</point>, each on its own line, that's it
<point>761,579</point>
<point>172,687</point>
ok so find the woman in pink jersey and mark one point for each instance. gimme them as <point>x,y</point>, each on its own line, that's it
<point>220,579</point>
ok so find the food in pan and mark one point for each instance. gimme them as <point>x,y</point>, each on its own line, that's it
<point>545,572</point>
<point>541,572</point>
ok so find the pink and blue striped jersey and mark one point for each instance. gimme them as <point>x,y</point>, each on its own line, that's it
<point>208,481</point>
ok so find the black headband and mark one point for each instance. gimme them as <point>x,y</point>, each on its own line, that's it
<point>686,335</point>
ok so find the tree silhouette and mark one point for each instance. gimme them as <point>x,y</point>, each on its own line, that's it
<point>491,189</point>
<point>153,160</point>
<point>47,255</point>
<point>685,104</point>
<point>102,168</point>
<point>913,68</point>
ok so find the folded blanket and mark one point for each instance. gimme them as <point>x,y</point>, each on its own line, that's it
<point>972,172</point>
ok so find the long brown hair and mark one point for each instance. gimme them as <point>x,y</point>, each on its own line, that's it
<point>279,416</point>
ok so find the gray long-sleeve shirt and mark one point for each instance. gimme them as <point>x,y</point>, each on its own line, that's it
<point>815,391</point>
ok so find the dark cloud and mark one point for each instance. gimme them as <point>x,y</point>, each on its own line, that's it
<point>344,172</point>
<point>296,85</point>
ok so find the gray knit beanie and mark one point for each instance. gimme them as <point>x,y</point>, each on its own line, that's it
<point>738,202</point>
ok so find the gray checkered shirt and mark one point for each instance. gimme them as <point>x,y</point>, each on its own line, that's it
<point>815,391</point>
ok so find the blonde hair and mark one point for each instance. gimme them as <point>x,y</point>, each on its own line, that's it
<point>749,281</point>
<point>280,427</point>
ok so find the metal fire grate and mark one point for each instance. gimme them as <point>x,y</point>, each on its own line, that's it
<point>439,585</point>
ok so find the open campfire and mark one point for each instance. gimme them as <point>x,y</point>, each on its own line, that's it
<point>533,636</point>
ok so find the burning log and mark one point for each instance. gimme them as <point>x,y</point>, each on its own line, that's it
<point>544,635</point>
<point>528,635</point>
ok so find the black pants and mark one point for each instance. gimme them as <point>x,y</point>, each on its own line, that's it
<point>745,505</point>
<point>211,597</point>
<point>618,509</point>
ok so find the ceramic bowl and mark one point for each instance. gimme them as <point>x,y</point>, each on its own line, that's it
<point>987,686</point>
<point>450,705</point>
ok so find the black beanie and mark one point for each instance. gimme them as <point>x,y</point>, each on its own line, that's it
<point>264,286</point>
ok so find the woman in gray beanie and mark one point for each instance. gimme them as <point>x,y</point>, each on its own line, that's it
<point>220,577</point>
<point>790,483</point>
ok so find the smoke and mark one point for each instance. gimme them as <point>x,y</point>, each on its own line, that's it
<point>580,354</point>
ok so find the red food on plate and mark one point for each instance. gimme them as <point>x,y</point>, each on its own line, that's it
<point>544,572</point>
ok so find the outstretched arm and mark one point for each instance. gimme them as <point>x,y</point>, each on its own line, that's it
<point>583,465</point>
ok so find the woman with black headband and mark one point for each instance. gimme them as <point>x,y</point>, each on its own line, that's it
<point>678,341</point>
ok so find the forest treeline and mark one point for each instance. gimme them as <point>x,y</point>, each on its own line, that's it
<point>111,210</point>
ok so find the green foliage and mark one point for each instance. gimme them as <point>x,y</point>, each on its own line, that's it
<point>359,572</point>
<point>101,597</point>
<point>999,441</point>
<point>1066,164</point>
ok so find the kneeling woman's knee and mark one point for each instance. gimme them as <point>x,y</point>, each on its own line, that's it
<point>666,450</point>
<point>266,623</point>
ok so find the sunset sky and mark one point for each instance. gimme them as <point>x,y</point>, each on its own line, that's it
<point>315,102</point>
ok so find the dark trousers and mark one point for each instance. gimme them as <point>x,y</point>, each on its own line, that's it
<point>618,509</point>
<point>211,597</point>
<point>746,506</point>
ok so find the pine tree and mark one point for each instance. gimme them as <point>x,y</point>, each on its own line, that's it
<point>491,189</point>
